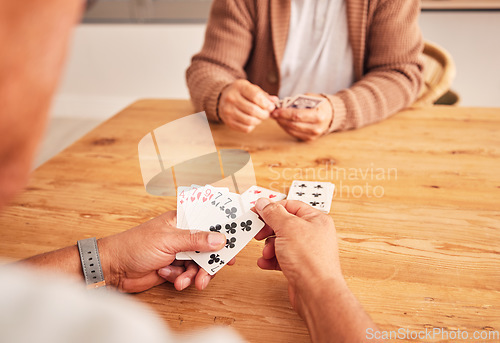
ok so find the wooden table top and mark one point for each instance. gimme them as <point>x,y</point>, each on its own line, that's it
<point>416,210</point>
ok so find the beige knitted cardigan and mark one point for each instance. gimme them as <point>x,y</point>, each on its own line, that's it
<point>245,39</point>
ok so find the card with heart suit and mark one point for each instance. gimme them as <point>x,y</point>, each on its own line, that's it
<point>316,194</point>
<point>196,216</point>
<point>182,193</point>
<point>202,206</point>
<point>191,208</point>
<point>251,195</point>
<point>186,197</point>
<point>239,232</point>
<point>183,197</point>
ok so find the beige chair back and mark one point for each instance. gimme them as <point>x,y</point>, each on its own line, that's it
<point>439,72</point>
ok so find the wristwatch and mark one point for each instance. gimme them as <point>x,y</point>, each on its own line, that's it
<point>91,263</point>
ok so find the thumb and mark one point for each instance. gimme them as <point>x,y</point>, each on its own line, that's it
<point>273,214</point>
<point>186,240</point>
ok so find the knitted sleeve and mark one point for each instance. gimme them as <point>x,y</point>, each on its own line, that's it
<point>225,52</point>
<point>392,74</point>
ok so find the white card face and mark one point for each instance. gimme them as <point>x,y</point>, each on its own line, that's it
<point>238,231</point>
<point>201,213</point>
<point>251,195</point>
<point>229,204</point>
<point>304,102</point>
<point>182,196</point>
<point>181,200</point>
<point>195,211</point>
<point>316,194</point>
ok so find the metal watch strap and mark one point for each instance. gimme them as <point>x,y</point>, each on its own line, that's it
<point>91,263</point>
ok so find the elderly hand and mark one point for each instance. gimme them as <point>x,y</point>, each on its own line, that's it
<point>243,106</point>
<point>305,124</point>
<point>301,241</point>
<point>293,231</point>
<point>143,257</point>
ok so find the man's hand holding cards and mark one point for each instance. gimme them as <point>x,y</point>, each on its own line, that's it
<point>216,209</point>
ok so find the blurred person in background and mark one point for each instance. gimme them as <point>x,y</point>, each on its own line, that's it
<point>363,57</point>
<point>39,301</point>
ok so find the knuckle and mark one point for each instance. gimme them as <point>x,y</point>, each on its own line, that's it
<point>195,239</point>
<point>249,109</point>
<point>249,129</point>
<point>230,97</point>
<point>240,83</point>
<point>327,221</point>
<point>246,120</point>
<point>271,208</point>
<point>317,131</point>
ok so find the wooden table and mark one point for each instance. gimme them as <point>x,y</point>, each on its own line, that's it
<point>417,211</point>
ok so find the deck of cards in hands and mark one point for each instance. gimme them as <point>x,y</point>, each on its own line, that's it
<point>208,208</point>
<point>216,209</point>
<point>299,102</point>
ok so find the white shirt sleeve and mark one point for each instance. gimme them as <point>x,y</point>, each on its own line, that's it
<point>50,309</point>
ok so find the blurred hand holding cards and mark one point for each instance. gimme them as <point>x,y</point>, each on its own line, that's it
<point>299,102</point>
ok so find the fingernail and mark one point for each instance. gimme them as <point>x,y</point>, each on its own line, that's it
<point>216,239</point>
<point>165,272</point>
<point>185,283</point>
<point>267,103</point>
<point>261,203</point>
<point>204,284</point>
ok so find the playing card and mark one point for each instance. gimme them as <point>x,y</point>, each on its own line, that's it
<point>182,197</point>
<point>316,194</point>
<point>181,200</point>
<point>186,201</point>
<point>229,205</point>
<point>185,205</point>
<point>201,212</point>
<point>251,195</point>
<point>197,212</point>
<point>239,231</point>
<point>304,102</point>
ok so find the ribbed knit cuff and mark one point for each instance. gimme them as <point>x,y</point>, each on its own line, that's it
<point>339,112</point>
<point>213,100</point>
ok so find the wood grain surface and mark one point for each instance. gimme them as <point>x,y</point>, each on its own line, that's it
<point>417,210</point>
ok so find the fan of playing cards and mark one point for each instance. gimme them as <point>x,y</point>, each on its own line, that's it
<point>216,209</point>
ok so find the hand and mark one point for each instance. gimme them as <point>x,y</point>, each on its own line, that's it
<point>243,106</point>
<point>302,242</point>
<point>305,124</point>
<point>305,249</point>
<point>143,257</point>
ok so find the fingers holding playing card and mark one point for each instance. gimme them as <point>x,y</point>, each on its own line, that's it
<point>251,195</point>
<point>239,232</point>
<point>243,105</point>
<point>304,117</point>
